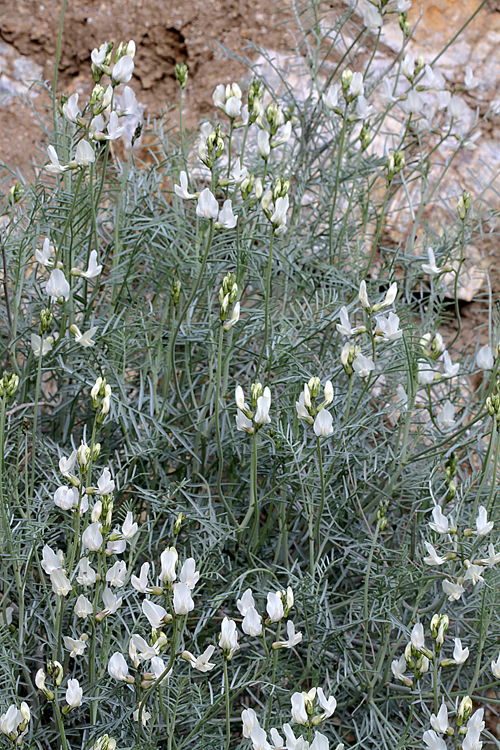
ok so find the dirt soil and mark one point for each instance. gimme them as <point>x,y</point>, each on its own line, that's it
<point>165,33</point>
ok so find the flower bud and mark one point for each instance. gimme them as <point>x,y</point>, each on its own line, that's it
<point>55,670</point>
<point>255,393</point>
<point>181,74</point>
<point>464,711</point>
<point>346,80</point>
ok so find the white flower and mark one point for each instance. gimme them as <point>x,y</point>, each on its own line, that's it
<point>323,424</point>
<point>456,107</point>
<point>168,559</point>
<point>293,637</point>
<point>388,328</point>
<point>263,145</point>
<point>344,327</point>
<point>263,405</point>
<point>433,79</point>
<point>227,218</point>
<point>93,269</point>
<point>57,286</point>
<point>328,706</point>
<point>472,740</point>
<point>431,268</point>
<point>417,636</point>
<point>445,418</point>
<point>433,558</point>
<point>278,218</point>
<point>440,523</point>
<point>238,173</point>
<point>433,741</point>
<point>356,87</point>
<point>55,167</point>
<point>440,722</point>
<point>111,602</point>
<point>114,130</point>
<point>92,537</point>
<point>414,102</point>
<point>141,583</point>
<point>128,102</point>
<point>74,694</point>
<point>450,370</point>
<point>476,720</point>
<point>105,485</point>
<point>207,206</point>
<point>473,573</point>
<point>483,526</point>
<point>228,639</point>
<point>75,647</point>
<point>386,94</point>
<point>363,366</point>
<point>274,607</point>
<point>66,498</point>
<point>252,622</point>
<point>50,561</point>
<point>469,81</point>
<point>129,527</point>
<point>235,316</point>
<point>299,712</point>
<point>44,256</point>
<point>331,97</point>
<point>189,575</point>
<point>98,56</point>
<point>60,583</point>
<point>293,742</point>
<point>116,575</point>
<point>182,190</point>
<point>425,373</point>
<point>84,154</point>
<point>86,574</point>
<point>495,668</point>
<point>183,601</point>
<point>154,612</point>
<point>201,662</point>
<point>83,608</point>
<point>492,559</point>
<point>484,359</point>
<point>118,667</point>
<point>408,66</point>
<point>122,70</point>
<point>363,296</point>
<point>233,107</point>
<point>443,99</point>
<point>371,17</point>
<point>70,109</point>
<point>460,655</point>
<point>363,109</point>
<point>84,339</point>
<point>66,465</point>
<point>453,590</point>
<point>245,602</point>
<point>398,667</point>
<point>249,721</point>
<point>243,424</point>
<point>320,742</point>
<point>259,739</point>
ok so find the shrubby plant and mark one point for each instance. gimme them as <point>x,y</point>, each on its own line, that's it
<point>248,490</point>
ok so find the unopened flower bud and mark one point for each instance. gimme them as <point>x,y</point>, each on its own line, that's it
<point>181,74</point>
<point>346,80</point>
<point>55,670</point>
<point>464,711</point>
<point>255,393</point>
<point>176,291</point>
<point>178,523</point>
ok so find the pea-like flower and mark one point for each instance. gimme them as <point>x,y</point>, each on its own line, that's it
<point>57,286</point>
<point>183,601</point>
<point>252,622</point>
<point>201,662</point>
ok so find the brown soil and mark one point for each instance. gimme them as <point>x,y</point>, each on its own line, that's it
<point>165,33</point>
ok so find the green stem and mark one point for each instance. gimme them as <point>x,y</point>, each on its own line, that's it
<point>273,678</point>
<point>228,705</point>
<point>68,220</point>
<point>266,305</point>
<point>59,721</point>
<point>217,429</point>
<point>337,178</point>
<point>322,482</point>
<point>486,465</point>
<point>35,416</point>
<point>158,681</point>
<point>435,683</point>
<point>56,64</point>
<point>365,595</point>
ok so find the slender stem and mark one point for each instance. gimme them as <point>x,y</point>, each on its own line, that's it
<point>322,482</point>
<point>117,243</point>
<point>70,215</point>
<point>435,683</point>
<point>266,305</point>
<point>273,677</point>
<point>220,451</point>
<point>378,232</point>
<point>337,178</point>
<point>365,594</point>
<point>35,416</point>
<point>158,681</point>
<point>56,64</point>
<point>486,464</point>
<point>181,130</point>
<point>59,721</point>
<point>349,394</point>
<point>228,705</point>
<point>493,478</point>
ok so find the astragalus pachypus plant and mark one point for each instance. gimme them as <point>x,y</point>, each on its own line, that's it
<point>248,494</point>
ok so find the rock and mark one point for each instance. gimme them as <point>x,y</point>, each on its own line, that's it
<point>27,71</point>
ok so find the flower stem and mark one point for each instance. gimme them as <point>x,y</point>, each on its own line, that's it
<point>228,705</point>
<point>266,306</point>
